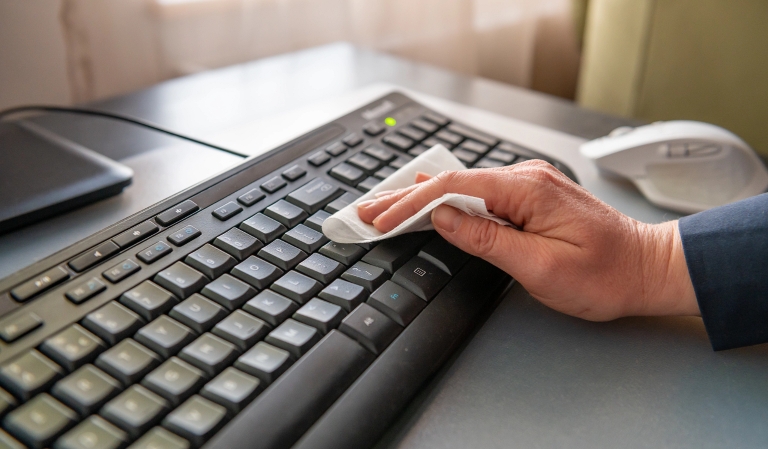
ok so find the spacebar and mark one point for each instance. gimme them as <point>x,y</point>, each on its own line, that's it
<point>281,415</point>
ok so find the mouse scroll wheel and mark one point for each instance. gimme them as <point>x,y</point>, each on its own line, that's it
<point>681,150</point>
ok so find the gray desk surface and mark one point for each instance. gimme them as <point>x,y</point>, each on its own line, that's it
<point>529,377</point>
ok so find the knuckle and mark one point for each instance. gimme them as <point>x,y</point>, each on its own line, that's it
<point>483,236</point>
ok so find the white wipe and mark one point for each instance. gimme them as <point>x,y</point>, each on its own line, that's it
<point>345,226</point>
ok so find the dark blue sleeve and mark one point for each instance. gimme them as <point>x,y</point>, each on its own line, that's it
<point>726,249</point>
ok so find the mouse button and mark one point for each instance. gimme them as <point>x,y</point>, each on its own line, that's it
<point>702,149</point>
<point>677,150</point>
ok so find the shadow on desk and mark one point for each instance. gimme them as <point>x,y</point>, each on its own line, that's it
<point>532,377</point>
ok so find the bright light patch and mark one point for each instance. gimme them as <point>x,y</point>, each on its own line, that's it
<point>389,121</point>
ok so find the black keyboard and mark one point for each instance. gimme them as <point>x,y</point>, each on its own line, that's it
<point>224,318</point>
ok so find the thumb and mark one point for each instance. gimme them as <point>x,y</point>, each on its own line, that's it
<point>500,245</point>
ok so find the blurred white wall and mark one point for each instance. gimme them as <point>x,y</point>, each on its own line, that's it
<point>82,50</point>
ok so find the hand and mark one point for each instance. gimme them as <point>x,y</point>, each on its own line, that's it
<point>573,252</point>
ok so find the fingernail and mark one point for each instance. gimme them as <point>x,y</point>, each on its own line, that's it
<point>385,192</point>
<point>447,218</point>
<point>364,204</point>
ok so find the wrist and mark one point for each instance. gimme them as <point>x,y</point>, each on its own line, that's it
<point>667,285</point>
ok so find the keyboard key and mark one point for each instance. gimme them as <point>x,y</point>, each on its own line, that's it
<point>159,438</point>
<point>368,276</point>
<point>436,118</point>
<point>396,302</point>
<point>7,403</point>
<point>347,174</point>
<point>18,326</point>
<point>320,268</point>
<point>282,254</point>
<point>417,150</point>
<point>209,353</point>
<point>39,284</point>
<point>352,140</point>
<point>400,162</point>
<point>257,272</point>
<point>400,142</point>
<point>264,361</point>
<point>270,307</point>
<point>421,277</point>
<point>148,300</point>
<point>9,442</point>
<point>237,243</point>
<point>177,212</point>
<point>430,142</point>
<point>210,261</point>
<point>94,256</point>
<point>319,314</point>
<point>488,163</point>
<point>135,410</point>
<point>184,235</point>
<point>86,390</point>
<point>384,172</point>
<point>263,227</point>
<point>444,255</point>
<point>294,337</point>
<point>227,211</point>
<point>368,184</point>
<point>241,329</point>
<point>286,410</point>
<point>413,133</point>
<point>296,286</point>
<point>346,253</point>
<point>91,433</point>
<point>165,336</point>
<point>86,291</point>
<point>304,238</point>
<point>366,163</point>
<point>319,158</point>
<point>175,380</point>
<point>112,323</point>
<point>38,422</point>
<point>181,280</point>
<point>467,157</point>
<point>229,292</point>
<point>127,361</point>
<point>336,148</point>
<point>135,234</point>
<point>232,388</point>
<point>121,271</point>
<point>447,136</point>
<point>314,195</point>
<point>373,128</point>
<point>196,420</point>
<point>316,220</point>
<point>342,202</point>
<point>294,173</point>
<point>475,147</point>
<point>198,313</point>
<point>393,253</point>
<point>286,213</point>
<point>344,294</point>
<point>485,139</point>
<point>72,347</point>
<point>251,197</point>
<point>154,252</point>
<point>29,374</point>
<point>274,184</point>
<point>502,156</point>
<point>370,328</point>
<point>427,127</point>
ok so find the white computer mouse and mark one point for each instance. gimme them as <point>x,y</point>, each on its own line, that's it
<point>682,165</point>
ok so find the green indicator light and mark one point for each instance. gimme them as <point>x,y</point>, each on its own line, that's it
<point>389,121</point>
